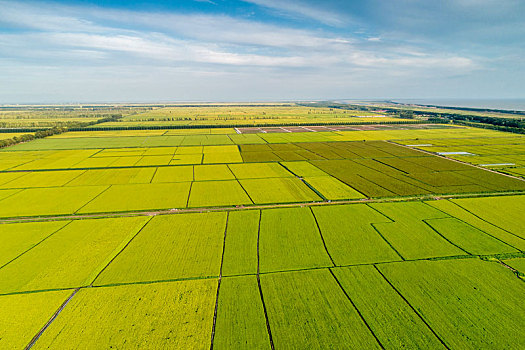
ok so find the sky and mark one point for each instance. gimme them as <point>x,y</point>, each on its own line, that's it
<point>260,50</point>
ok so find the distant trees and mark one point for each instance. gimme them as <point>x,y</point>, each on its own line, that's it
<point>29,137</point>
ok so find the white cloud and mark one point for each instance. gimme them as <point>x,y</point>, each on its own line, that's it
<point>44,17</point>
<point>132,49</point>
<point>206,1</point>
<point>300,10</point>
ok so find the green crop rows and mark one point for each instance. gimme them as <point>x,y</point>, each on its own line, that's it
<point>206,238</point>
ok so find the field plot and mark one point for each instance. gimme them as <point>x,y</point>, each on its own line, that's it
<point>181,159</point>
<point>221,154</point>
<point>112,176</point>
<point>154,160</point>
<point>489,228</point>
<point>393,321</point>
<point>505,154</point>
<point>331,188</point>
<point>350,236</point>
<point>173,174</point>
<point>217,193</point>
<point>308,309</point>
<point>17,238</point>
<point>469,238</point>
<point>176,315</point>
<point>23,315</point>
<point>39,160</point>
<point>410,235</point>
<point>303,169</point>
<point>258,170</point>
<point>232,157</point>
<point>71,257</point>
<point>240,316</point>
<point>6,193</point>
<point>121,152</point>
<point>505,212</point>
<point>171,247</point>
<point>460,299</point>
<point>289,240</point>
<point>240,249</point>
<point>48,201</point>
<point>139,197</point>
<point>43,179</point>
<point>213,172</point>
<point>278,190</point>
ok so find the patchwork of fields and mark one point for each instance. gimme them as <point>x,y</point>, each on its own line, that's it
<point>206,238</point>
<point>123,177</point>
<point>506,155</point>
<point>247,115</point>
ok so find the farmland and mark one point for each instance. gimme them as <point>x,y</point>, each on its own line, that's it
<point>262,237</point>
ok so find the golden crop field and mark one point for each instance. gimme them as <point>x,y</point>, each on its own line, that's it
<point>326,236</point>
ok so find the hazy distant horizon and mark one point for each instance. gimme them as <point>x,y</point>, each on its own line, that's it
<point>516,104</point>
<point>511,104</point>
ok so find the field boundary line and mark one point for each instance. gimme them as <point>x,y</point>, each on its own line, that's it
<point>369,180</point>
<point>314,190</point>
<point>82,172</point>
<point>233,142</point>
<point>169,280</point>
<point>16,166</point>
<point>35,245</point>
<point>426,221</point>
<point>386,240</point>
<point>322,237</point>
<point>298,144</point>
<point>488,222</point>
<point>395,176</point>
<point>92,199</point>
<point>355,308</point>
<point>391,166</point>
<point>412,307</point>
<point>189,194</point>
<point>268,329</point>
<point>154,173</point>
<point>305,182</point>
<point>477,228</point>
<point>120,251</point>
<point>219,283</point>
<point>48,323</point>
<point>183,279</point>
<point>518,273</point>
<point>380,213</point>
<point>244,189</point>
<point>12,194</point>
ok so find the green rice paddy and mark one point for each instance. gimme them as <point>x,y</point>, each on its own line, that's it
<point>209,238</point>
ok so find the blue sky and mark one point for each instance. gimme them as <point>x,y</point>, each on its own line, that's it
<point>256,50</point>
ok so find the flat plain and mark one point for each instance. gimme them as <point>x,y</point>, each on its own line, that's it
<point>368,235</point>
